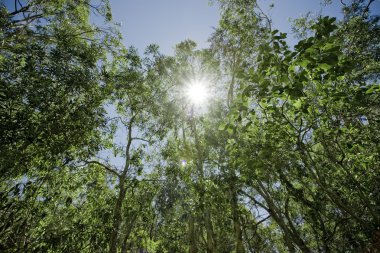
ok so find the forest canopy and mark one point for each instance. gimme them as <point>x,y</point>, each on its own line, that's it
<point>248,145</point>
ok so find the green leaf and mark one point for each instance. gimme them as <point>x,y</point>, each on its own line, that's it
<point>304,63</point>
<point>324,66</point>
<point>222,126</point>
<point>373,88</point>
<point>274,32</point>
<point>297,104</point>
<point>22,62</point>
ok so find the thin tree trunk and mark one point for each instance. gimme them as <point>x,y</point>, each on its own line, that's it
<point>117,219</point>
<point>209,231</point>
<point>192,241</point>
<point>236,221</point>
<point>239,247</point>
<point>127,233</point>
<point>191,228</point>
<point>205,209</point>
<point>289,230</point>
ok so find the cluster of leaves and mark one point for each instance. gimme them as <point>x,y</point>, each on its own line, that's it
<point>306,146</point>
<point>51,110</point>
<point>284,159</point>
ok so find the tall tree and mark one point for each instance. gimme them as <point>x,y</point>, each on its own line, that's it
<point>51,109</point>
<point>139,96</point>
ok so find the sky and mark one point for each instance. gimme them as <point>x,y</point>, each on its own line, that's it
<point>168,22</point>
<point>165,22</point>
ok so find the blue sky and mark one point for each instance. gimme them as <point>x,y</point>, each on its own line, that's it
<point>165,22</point>
<point>168,22</point>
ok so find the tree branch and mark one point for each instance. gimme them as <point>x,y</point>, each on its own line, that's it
<point>107,167</point>
<point>366,9</point>
<point>140,139</point>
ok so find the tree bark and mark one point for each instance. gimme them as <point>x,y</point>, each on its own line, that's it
<point>117,219</point>
<point>239,247</point>
<point>205,209</point>
<point>127,233</point>
<point>192,241</point>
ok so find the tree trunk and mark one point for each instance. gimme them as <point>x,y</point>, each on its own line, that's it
<point>202,200</point>
<point>209,231</point>
<point>192,241</point>
<point>117,217</point>
<point>127,232</point>
<point>289,230</point>
<point>236,221</point>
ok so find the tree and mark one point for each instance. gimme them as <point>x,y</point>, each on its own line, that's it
<point>295,137</point>
<point>139,98</point>
<point>51,111</point>
<point>101,150</point>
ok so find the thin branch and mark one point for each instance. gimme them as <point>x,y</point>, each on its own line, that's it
<point>27,20</point>
<point>152,180</point>
<point>254,200</point>
<point>107,167</point>
<point>258,223</point>
<point>140,139</point>
<point>265,16</point>
<point>367,7</point>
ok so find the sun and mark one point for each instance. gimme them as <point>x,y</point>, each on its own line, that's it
<point>197,92</point>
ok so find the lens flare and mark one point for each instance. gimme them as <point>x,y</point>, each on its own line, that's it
<point>197,92</point>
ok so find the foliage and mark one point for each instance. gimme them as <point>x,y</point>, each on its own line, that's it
<point>101,150</point>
